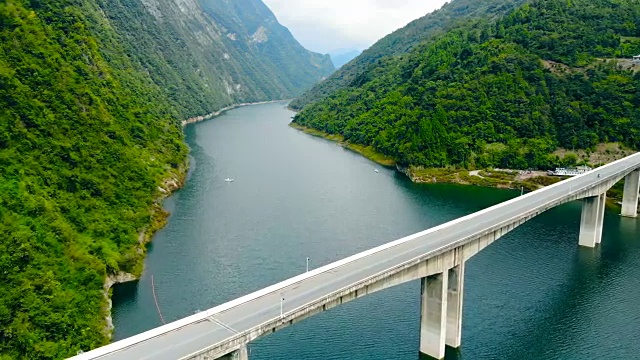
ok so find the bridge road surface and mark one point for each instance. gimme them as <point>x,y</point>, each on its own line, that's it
<point>217,328</point>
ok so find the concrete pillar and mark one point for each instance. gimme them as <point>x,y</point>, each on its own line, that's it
<point>599,226</point>
<point>630,195</point>
<point>454,306</point>
<point>433,315</point>
<point>590,223</point>
<point>241,354</point>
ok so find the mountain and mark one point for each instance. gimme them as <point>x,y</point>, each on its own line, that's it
<point>212,53</point>
<point>339,58</point>
<point>92,93</point>
<point>401,41</point>
<point>504,93</point>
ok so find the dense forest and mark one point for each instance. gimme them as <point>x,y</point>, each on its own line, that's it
<point>83,148</point>
<point>205,57</point>
<point>401,41</point>
<point>502,93</point>
<point>92,93</point>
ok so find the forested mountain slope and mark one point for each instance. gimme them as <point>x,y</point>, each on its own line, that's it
<point>84,143</point>
<point>402,40</point>
<point>500,94</point>
<point>92,93</point>
<point>208,54</point>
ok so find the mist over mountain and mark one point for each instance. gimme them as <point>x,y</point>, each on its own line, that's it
<point>341,57</point>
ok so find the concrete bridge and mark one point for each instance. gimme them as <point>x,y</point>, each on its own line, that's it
<point>436,256</point>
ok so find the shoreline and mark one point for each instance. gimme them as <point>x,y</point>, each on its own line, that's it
<point>201,118</point>
<point>492,178</point>
<point>366,151</point>
<point>173,181</point>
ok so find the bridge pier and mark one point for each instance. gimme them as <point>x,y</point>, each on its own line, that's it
<point>241,354</point>
<point>591,220</point>
<point>454,306</point>
<point>630,195</point>
<point>600,225</point>
<point>433,314</point>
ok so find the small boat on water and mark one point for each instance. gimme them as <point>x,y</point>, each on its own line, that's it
<point>376,170</point>
<point>229,180</point>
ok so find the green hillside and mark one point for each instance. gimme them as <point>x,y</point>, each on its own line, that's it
<point>499,94</point>
<point>204,55</point>
<point>83,146</point>
<point>92,93</point>
<point>403,40</point>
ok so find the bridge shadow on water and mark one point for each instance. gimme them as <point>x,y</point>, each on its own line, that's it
<point>450,354</point>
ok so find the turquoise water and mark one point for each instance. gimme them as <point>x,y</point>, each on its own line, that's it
<point>532,295</point>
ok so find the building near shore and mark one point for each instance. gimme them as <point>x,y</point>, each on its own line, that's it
<point>571,171</point>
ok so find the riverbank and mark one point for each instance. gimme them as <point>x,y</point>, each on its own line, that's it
<point>173,181</point>
<point>198,119</point>
<point>497,178</point>
<point>523,180</point>
<point>366,151</point>
<point>504,179</point>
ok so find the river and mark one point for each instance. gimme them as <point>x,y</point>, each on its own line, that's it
<point>531,295</point>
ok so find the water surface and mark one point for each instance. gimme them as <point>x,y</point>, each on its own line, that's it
<point>532,295</point>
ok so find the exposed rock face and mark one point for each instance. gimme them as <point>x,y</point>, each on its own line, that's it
<point>209,54</point>
<point>260,35</point>
<point>111,280</point>
<point>153,8</point>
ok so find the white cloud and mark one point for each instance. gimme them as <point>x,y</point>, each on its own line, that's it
<point>327,25</point>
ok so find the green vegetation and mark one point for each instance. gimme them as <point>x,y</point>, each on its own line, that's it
<point>489,178</point>
<point>92,93</point>
<point>83,147</point>
<point>401,41</point>
<point>366,151</point>
<point>208,58</point>
<point>480,95</point>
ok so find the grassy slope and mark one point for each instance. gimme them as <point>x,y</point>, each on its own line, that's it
<point>505,179</point>
<point>366,151</point>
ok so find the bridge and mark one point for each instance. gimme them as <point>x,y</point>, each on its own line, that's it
<point>436,256</point>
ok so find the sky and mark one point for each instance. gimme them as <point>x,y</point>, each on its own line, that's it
<point>339,25</point>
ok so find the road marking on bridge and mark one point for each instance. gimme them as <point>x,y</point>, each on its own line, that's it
<point>509,214</point>
<point>212,318</point>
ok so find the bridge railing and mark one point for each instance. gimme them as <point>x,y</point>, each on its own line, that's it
<point>201,316</point>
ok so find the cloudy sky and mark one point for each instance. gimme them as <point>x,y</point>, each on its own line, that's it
<point>328,25</point>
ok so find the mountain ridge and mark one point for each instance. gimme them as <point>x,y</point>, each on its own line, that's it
<point>403,40</point>
<point>92,95</point>
<point>482,96</point>
<point>205,52</point>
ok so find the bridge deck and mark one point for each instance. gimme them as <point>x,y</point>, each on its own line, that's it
<point>187,336</point>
